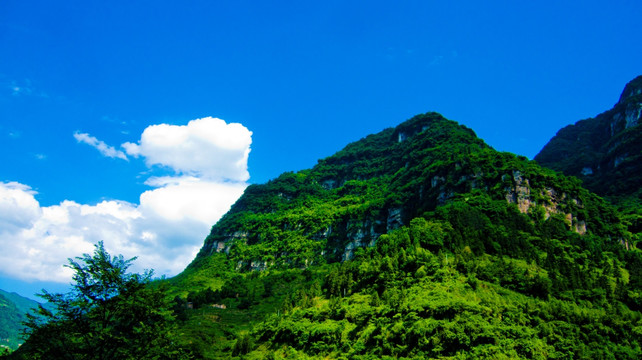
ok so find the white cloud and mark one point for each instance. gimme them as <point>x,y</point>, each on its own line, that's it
<point>18,208</point>
<point>104,149</point>
<point>165,230</point>
<point>69,229</point>
<point>182,198</point>
<point>208,148</point>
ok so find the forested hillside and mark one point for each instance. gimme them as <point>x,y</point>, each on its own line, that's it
<point>13,310</point>
<point>417,242</point>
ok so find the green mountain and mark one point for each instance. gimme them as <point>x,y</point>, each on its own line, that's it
<point>420,241</point>
<point>382,182</point>
<point>604,151</point>
<point>13,308</point>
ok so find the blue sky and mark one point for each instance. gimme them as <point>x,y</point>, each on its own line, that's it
<point>80,79</point>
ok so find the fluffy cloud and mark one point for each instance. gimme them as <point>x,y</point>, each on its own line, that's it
<point>206,147</point>
<point>104,149</point>
<point>18,208</point>
<point>39,248</point>
<point>179,199</point>
<point>166,228</point>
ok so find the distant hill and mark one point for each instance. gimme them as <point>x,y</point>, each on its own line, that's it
<point>604,151</point>
<point>13,308</point>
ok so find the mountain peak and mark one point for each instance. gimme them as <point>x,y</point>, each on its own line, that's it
<point>604,151</point>
<point>396,233</point>
<point>633,88</point>
<point>378,184</point>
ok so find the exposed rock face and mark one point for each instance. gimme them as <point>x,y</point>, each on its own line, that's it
<point>223,242</point>
<point>257,265</point>
<point>323,234</point>
<point>359,233</point>
<point>329,184</point>
<point>580,227</point>
<point>520,193</point>
<point>404,134</point>
<point>632,114</point>
<point>551,200</point>
<point>443,194</point>
<point>394,220</point>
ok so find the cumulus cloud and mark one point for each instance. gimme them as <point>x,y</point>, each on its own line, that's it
<point>207,147</point>
<point>182,198</point>
<point>165,229</point>
<point>104,149</point>
<point>49,235</point>
<point>18,208</point>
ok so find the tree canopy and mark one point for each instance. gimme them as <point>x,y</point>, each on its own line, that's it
<point>108,314</point>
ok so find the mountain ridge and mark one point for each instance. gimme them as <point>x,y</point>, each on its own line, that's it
<point>420,165</point>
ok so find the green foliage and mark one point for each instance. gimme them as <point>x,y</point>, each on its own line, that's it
<point>109,314</point>
<point>418,242</point>
<point>243,345</point>
<point>462,305</point>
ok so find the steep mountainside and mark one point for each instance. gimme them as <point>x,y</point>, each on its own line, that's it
<point>417,242</point>
<point>380,183</point>
<point>605,151</point>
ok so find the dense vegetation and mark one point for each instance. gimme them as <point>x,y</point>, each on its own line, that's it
<point>477,254</point>
<point>417,304</point>
<point>553,294</point>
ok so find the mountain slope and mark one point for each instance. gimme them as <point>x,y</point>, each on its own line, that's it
<point>13,308</point>
<point>380,183</point>
<point>605,151</point>
<point>417,242</point>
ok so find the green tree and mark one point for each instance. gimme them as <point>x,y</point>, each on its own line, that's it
<point>108,314</point>
<point>244,344</point>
